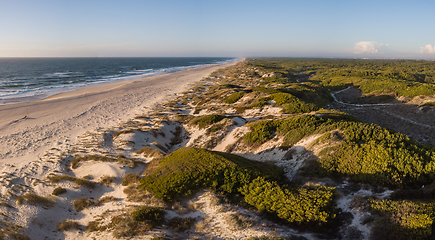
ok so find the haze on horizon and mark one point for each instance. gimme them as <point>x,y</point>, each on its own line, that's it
<point>170,28</point>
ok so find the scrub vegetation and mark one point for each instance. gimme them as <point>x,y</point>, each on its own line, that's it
<point>286,158</point>
<point>188,170</point>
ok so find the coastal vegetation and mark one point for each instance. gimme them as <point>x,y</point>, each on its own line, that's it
<point>68,225</point>
<point>256,147</point>
<point>58,191</point>
<point>187,170</point>
<point>402,219</point>
<point>33,198</point>
<point>400,77</point>
<point>79,181</point>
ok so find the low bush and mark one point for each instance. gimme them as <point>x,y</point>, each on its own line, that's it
<point>229,86</point>
<point>204,121</point>
<point>105,199</point>
<point>94,226</point>
<point>79,181</point>
<point>130,178</point>
<point>430,104</point>
<point>124,226</point>
<point>68,225</point>
<point>260,102</point>
<point>402,219</point>
<point>148,151</point>
<point>266,90</point>
<point>58,178</point>
<point>136,194</point>
<point>149,215</point>
<point>34,198</point>
<point>234,97</point>
<point>75,163</point>
<point>188,169</point>
<point>292,104</point>
<point>181,224</point>
<point>10,230</point>
<point>58,191</point>
<point>366,153</point>
<point>84,183</point>
<point>82,203</point>
<point>293,128</point>
<point>237,220</point>
<point>378,156</point>
<point>107,180</point>
<point>296,206</point>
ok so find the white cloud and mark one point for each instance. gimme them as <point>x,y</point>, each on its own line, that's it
<point>368,47</point>
<point>428,49</point>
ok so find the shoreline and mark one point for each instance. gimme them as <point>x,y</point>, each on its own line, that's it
<point>56,91</point>
<point>29,129</point>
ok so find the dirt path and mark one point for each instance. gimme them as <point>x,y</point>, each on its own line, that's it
<point>406,118</point>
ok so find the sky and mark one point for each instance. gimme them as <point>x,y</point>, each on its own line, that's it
<point>234,28</point>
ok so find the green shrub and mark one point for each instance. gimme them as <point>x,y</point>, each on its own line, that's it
<point>149,215</point>
<point>293,129</point>
<point>379,156</point>
<point>366,153</point>
<point>187,170</point>
<point>266,90</point>
<point>181,224</point>
<point>260,102</point>
<point>292,104</point>
<point>229,86</point>
<point>296,206</point>
<point>260,132</point>
<point>234,97</point>
<point>402,219</point>
<point>58,191</point>
<point>430,104</point>
<point>204,121</point>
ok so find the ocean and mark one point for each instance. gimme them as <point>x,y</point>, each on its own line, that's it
<point>28,79</point>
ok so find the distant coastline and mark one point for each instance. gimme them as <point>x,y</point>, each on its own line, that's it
<point>31,79</point>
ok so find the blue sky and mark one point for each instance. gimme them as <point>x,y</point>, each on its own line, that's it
<point>237,28</point>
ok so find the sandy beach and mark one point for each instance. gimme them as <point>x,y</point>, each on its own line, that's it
<point>34,134</point>
<point>29,129</point>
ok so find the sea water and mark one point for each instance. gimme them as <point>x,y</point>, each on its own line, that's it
<point>27,79</point>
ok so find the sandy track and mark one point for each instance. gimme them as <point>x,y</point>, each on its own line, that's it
<point>406,118</point>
